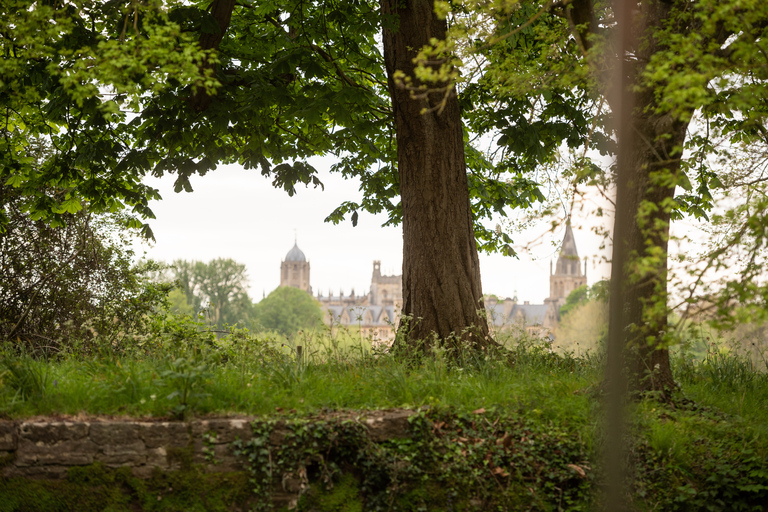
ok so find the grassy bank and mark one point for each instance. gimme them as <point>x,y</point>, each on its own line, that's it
<point>519,431</point>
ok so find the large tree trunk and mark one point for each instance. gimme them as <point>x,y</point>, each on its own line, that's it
<point>441,273</point>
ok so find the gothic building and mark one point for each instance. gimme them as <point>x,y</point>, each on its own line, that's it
<point>541,319</point>
<point>566,278</point>
<point>377,312</point>
<point>374,313</point>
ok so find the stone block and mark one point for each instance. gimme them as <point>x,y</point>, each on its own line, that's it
<point>164,433</point>
<point>7,436</point>
<point>64,453</point>
<point>222,431</point>
<point>385,425</point>
<point>53,431</point>
<point>157,457</point>
<point>114,433</point>
<point>144,472</point>
<point>218,458</point>
<point>36,472</point>
<point>121,454</point>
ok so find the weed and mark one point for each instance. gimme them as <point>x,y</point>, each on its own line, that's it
<point>26,377</point>
<point>186,378</point>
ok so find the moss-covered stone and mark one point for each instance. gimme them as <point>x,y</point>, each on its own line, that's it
<point>95,488</point>
<point>7,459</point>
<point>183,456</point>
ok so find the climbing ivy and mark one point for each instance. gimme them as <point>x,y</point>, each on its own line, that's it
<point>448,460</point>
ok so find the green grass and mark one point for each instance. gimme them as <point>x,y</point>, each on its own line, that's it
<point>708,448</point>
<point>329,376</point>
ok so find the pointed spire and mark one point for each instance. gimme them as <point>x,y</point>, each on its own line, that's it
<point>568,262</point>
<point>569,244</point>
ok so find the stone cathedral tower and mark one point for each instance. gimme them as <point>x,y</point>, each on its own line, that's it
<point>567,276</point>
<point>294,270</point>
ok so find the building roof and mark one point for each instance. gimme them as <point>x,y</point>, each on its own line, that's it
<point>530,314</point>
<point>569,244</point>
<point>295,254</point>
<point>379,315</point>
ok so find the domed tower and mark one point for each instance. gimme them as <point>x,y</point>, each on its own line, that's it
<point>294,270</point>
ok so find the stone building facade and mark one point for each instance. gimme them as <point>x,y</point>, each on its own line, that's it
<point>541,319</point>
<point>566,277</point>
<point>377,312</point>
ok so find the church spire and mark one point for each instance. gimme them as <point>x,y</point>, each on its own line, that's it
<point>569,244</point>
<point>568,263</point>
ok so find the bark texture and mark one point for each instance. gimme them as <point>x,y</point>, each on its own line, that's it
<point>441,272</point>
<point>649,166</point>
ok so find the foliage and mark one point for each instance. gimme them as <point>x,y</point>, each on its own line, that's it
<point>584,329</point>
<point>583,294</point>
<point>286,81</point>
<point>692,460</point>
<point>447,460</point>
<point>487,434</point>
<point>177,303</point>
<point>74,83</point>
<point>287,311</point>
<point>185,377</point>
<point>60,286</point>
<point>254,374</point>
<point>216,289</point>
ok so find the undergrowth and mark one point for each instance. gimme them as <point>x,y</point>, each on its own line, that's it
<point>518,431</point>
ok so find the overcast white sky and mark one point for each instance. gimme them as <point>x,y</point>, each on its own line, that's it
<point>238,214</point>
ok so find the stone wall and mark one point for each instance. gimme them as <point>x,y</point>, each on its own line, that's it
<point>48,448</point>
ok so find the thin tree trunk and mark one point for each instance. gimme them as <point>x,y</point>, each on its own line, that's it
<point>648,168</point>
<point>653,166</point>
<point>441,273</point>
<point>221,11</point>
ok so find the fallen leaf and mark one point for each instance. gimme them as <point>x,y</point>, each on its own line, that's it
<point>506,440</point>
<point>479,411</point>
<point>579,470</point>
<point>499,471</point>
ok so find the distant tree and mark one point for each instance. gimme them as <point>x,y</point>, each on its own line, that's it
<point>288,310</point>
<point>127,90</point>
<point>218,287</point>
<point>583,294</point>
<point>574,299</point>
<point>584,328</point>
<point>178,303</point>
